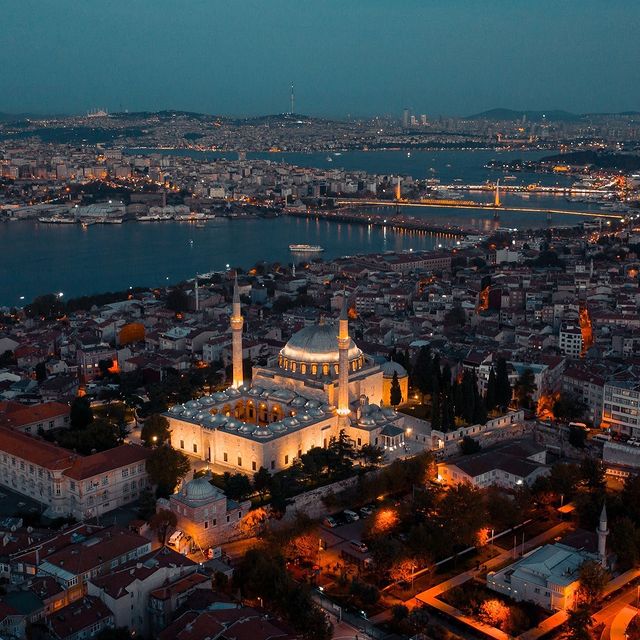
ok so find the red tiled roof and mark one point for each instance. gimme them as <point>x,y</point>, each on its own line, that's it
<point>78,616</point>
<point>35,450</point>
<point>103,546</point>
<point>12,416</point>
<point>104,461</point>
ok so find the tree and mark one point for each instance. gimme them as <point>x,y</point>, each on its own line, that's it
<point>577,437</point>
<point>423,371</point>
<point>161,522</point>
<point>525,388</point>
<point>630,497</point>
<point>580,623</point>
<point>455,317</point>
<point>166,466</point>
<point>371,455</point>
<point>236,486</point>
<point>490,395</point>
<point>81,414</point>
<point>503,386</point>
<point>462,514</point>
<point>568,407</point>
<point>177,300</point>
<point>593,473</point>
<point>593,580</point>
<point>262,482</point>
<point>495,613</point>
<point>625,542</point>
<point>47,306</point>
<point>395,395</point>
<point>469,446</point>
<point>146,504</point>
<point>343,450</point>
<point>155,431</point>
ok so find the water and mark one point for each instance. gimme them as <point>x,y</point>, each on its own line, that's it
<point>42,258</point>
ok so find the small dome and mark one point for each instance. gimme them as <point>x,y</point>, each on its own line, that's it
<point>391,367</point>
<point>206,400</point>
<point>262,432</point>
<point>291,422</point>
<point>278,426</point>
<point>200,489</point>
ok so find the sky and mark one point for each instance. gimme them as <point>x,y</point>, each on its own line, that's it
<point>345,57</point>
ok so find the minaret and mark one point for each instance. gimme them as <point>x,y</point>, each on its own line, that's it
<point>197,295</point>
<point>603,532</point>
<point>343,360</point>
<point>236,322</point>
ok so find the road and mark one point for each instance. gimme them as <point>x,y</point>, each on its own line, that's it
<point>430,596</point>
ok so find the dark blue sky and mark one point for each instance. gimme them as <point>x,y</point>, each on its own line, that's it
<point>356,57</point>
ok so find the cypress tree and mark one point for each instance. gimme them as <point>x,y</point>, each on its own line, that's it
<point>395,393</point>
<point>490,396</point>
<point>436,412</point>
<point>503,387</point>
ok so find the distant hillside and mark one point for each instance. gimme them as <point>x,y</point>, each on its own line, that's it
<point>532,116</point>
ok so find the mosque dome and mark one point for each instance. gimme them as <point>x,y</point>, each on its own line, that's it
<point>314,351</point>
<point>200,489</point>
<point>391,367</point>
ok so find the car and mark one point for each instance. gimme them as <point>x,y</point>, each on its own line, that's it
<point>366,511</point>
<point>330,522</point>
<point>359,546</point>
<point>351,516</point>
<point>174,538</point>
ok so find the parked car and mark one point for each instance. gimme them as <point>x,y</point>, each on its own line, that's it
<point>329,522</point>
<point>359,545</point>
<point>366,511</point>
<point>351,516</point>
<point>174,538</point>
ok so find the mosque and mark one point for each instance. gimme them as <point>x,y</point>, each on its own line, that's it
<point>320,384</point>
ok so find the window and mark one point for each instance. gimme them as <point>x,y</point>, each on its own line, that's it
<point>206,524</point>
<point>273,464</point>
<point>239,461</point>
<point>182,444</point>
<point>195,448</point>
<point>359,441</point>
<point>239,515</point>
<point>105,481</point>
<point>214,522</point>
<point>125,473</point>
<point>228,518</point>
<point>253,465</point>
<point>286,459</point>
<point>225,457</point>
<point>299,453</point>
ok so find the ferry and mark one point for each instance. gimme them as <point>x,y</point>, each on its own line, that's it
<point>305,248</point>
<point>57,220</point>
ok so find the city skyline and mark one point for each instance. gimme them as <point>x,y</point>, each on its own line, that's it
<point>363,59</point>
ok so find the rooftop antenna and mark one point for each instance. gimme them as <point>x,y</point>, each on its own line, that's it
<point>293,101</point>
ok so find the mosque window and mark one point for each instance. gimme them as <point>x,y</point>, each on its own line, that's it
<point>273,464</point>
<point>293,367</point>
<point>325,369</point>
<point>253,465</point>
<point>286,459</point>
<point>225,457</point>
<point>195,448</point>
<point>239,461</point>
<point>314,369</point>
<point>182,444</point>
<point>335,368</point>
<point>303,368</point>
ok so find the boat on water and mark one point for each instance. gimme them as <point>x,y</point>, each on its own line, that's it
<point>57,220</point>
<point>305,248</point>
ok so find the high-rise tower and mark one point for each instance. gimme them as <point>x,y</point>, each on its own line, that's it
<point>343,361</point>
<point>603,532</point>
<point>236,322</point>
